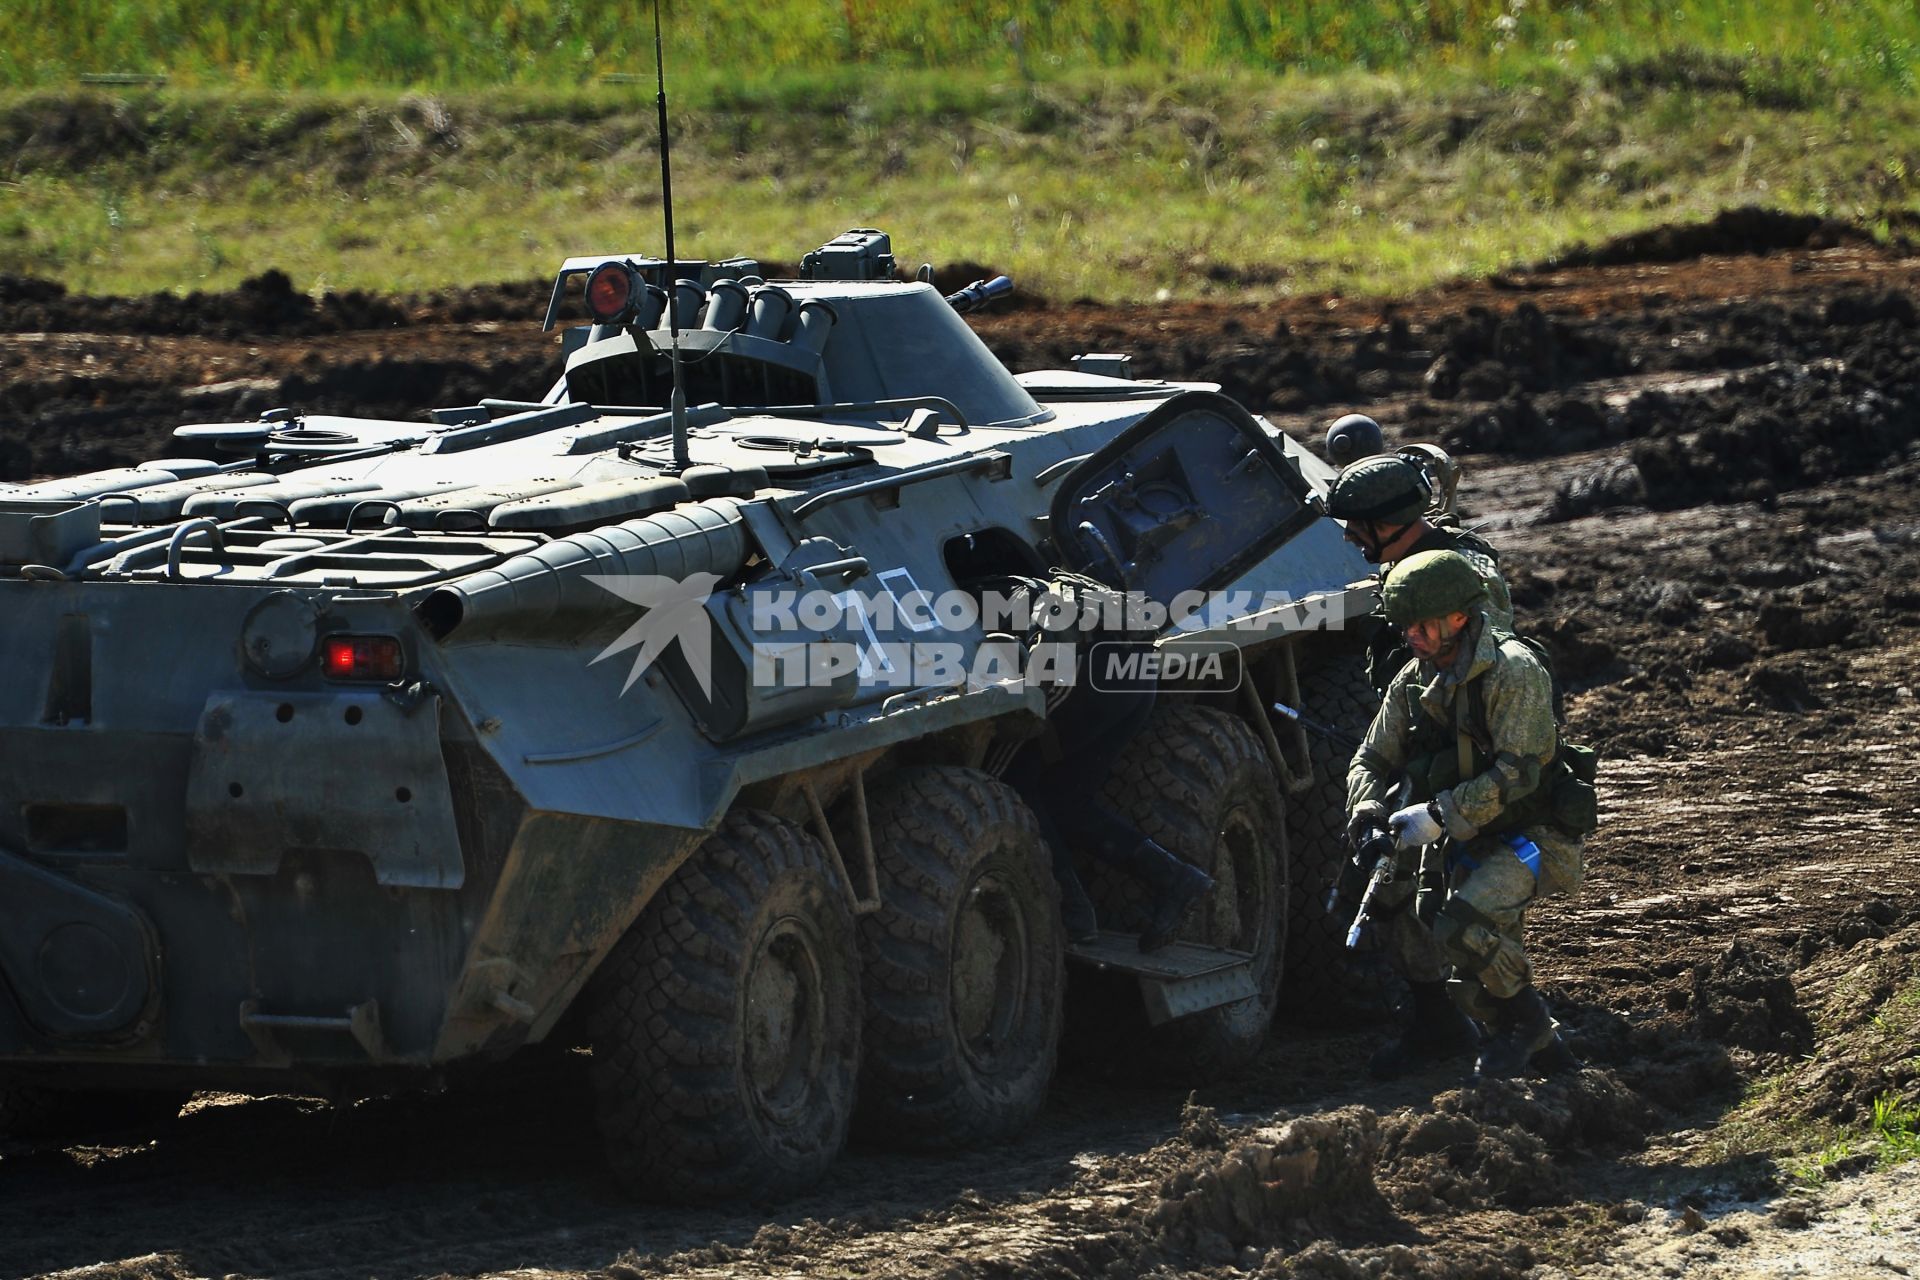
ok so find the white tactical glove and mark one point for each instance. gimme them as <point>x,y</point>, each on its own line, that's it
<point>1416,825</point>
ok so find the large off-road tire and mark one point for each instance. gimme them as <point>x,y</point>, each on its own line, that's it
<point>726,1024</point>
<point>961,964</point>
<point>1198,781</point>
<point>1325,981</point>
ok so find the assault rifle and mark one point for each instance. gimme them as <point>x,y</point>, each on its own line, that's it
<point>1375,847</point>
<point>1345,741</point>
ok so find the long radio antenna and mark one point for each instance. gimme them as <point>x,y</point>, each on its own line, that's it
<point>677,402</point>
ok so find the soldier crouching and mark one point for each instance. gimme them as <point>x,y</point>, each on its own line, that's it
<point>1497,810</point>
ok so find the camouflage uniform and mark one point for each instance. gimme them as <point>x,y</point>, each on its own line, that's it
<point>1486,792</point>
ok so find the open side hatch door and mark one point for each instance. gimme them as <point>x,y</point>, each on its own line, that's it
<point>1186,499</point>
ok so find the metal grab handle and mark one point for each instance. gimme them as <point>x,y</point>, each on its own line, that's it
<point>362,1022</point>
<point>909,698</point>
<point>901,479</point>
<point>271,504</point>
<point>849,407</point>
<point>177,545</point>
<point>444,521</point>
<point>1060,468</point>
<point>847,570</point>
<point>353,513</point>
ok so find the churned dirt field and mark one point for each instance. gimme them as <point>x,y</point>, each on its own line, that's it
<point>1700,455</point>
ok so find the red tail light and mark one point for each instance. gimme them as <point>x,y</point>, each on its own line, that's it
<point>361,658</point>
<point>609,291</point>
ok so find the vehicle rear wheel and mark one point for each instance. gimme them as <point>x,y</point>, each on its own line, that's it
<point>1198,781</point>
<point>961,963</point>
<point>1325,981</point>
<point>726,1024</point>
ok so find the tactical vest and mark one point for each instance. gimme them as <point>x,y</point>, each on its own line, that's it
<point>1440,757</point>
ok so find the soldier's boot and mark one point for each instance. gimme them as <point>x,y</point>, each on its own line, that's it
<point>1522,1027</point>
<point>1555,1059</point>
<point>1076,908</point>
<point>1177,885</point>
<point>1434,1032</point>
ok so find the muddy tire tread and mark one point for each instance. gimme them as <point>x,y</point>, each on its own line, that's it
<point>1336,693</point>
<point>914,1093</point>
<point>1187,757</point>
<point>663,1022</point>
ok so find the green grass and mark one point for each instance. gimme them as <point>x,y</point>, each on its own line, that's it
<point>1125,151</point>
<point>1892,1137</point>
<point>1896,1127</point>
<point>1122,186</point>
<point>1778,1119</point>
<point>469,43</point>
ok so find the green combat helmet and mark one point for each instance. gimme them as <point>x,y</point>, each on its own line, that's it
<point>1431,584</point>
<point>1386,488</point>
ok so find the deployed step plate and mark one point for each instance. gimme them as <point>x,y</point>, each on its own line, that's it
<point>1179,979</point>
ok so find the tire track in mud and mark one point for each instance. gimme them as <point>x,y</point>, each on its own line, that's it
<point>274,1183</point>
<point>305,1193</point>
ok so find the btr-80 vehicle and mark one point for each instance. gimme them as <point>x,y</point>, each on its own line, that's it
<point>342,751</point>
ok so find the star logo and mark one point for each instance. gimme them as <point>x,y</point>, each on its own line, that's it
<point>675,610</point>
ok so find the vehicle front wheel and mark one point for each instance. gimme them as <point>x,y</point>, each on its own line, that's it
<point>1197,781</point>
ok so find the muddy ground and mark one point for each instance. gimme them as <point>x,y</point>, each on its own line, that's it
<point>1699,456</point>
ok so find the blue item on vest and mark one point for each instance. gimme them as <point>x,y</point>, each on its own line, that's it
<point>1527,851</point>
<point>1524,849</point>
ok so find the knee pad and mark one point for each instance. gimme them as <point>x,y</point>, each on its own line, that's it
<point>1469,938</point>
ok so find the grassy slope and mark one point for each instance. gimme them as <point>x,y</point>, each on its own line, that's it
<point>1118,185</point>
<point>479,43</point>
<point>1113,149</point>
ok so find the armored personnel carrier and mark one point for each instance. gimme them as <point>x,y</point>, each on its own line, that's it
<point>342,751</point>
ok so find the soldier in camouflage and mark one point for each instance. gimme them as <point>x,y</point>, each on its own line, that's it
<point>1496,817</point>
<point>1382,501</point>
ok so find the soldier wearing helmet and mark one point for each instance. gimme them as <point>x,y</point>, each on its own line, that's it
<point>1383,502</point>
<point>1497,811</point>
